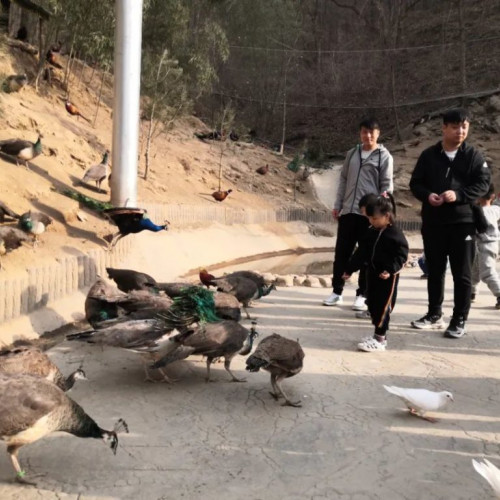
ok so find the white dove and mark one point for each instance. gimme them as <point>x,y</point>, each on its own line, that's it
<point>490,472</point>
<point>420,401</point>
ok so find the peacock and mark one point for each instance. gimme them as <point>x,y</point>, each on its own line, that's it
<point>213,340</point>
<point>244,289</point>
<point>22,150</point>
<point>130,221</point>
<point>127,279</point>
<point>32,407</point>
<point>34,223</point>
<point>32,361</point>
<point>98,173</point>
<point>152,334</point>
<point>104,302</point>
<point>98,307</point>
<point>226,305</point>
<point>5,211</point>
<point>89,202</point>
<point>14,83</point>
<point>282,358</point>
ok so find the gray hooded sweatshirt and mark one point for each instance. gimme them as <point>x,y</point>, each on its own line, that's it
<point>359,177</point>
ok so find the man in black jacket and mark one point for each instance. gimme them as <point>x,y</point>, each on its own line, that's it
<point>447,179</point>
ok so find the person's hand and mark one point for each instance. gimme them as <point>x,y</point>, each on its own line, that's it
<point>346,276</point>
<point>384,275</point>
<point>435,200</point>
<point>336,214</point>
<point>449,196</point>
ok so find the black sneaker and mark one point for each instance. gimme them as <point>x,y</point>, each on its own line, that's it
<point>473,297</point>
<point>497,305</point>
<point>456,329</point>
<point>428,322</point>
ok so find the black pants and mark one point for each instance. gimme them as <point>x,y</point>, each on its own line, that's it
<point>381,300</point>
<point>352,228</point>
<point>455,242</point>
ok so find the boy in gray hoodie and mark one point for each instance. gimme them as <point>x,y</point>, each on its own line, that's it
<point>368,168</point>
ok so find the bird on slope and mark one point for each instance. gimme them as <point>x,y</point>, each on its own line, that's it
<point>221,195</point>
<point>32,407</point>
<point>5,211</point>
<point>22,150</point>
<point>130,221</point>
<point>282,358</point>
<point>127,279</point>
<point>74,111</point>
<point>263,170</point>
<point>32,361</point>
<point>10,239</point>
<point>14,83</point>
<point>421,401</point>
<point>51,58</point>
<point>34,223</point>
<point>98,173</point>
<point>490,472</point>
<point>213,340</point>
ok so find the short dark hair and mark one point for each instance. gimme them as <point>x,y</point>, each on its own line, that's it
<point>367,199</point>
<point>491,190</point>
<point>370,123</point>
<point>455,115</point>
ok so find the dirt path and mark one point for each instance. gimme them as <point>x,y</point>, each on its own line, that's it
<point>350,440</point>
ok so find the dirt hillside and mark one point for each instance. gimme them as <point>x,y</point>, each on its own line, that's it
<point>184,169</point>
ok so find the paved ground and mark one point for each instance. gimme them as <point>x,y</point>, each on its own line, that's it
<point>350,440</point>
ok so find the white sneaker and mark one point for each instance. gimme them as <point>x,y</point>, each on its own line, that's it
<point>333,300</point>
<point>363,315</point>
<point>371,345</point>
<point>359,304</point>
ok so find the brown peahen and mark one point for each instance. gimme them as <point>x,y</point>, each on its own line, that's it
<point>127,279</point>
<point>22,150</point>
<point>282,358</point>
<point>244,289</point>
<point>32,408</point>
<point>32,361</point>
<point>213,340</point>
<point>106,302</point>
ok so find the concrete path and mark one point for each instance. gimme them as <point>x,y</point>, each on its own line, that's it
<point>350,440</point>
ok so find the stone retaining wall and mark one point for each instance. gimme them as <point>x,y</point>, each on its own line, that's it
<point>40,285</point>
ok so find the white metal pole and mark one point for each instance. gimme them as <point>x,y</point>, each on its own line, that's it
<point>127,85</point>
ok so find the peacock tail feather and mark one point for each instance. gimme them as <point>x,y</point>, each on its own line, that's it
<point>92,203</point>
<point>193,304</point>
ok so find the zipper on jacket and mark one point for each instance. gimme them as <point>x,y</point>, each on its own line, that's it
<point>375,245</point>
<point>359,172</point>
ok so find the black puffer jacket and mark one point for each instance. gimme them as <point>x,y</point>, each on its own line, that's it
<point>468,175</point>
<point>382,249</point>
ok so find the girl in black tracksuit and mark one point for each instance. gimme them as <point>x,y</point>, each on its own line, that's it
<point>384,251</point>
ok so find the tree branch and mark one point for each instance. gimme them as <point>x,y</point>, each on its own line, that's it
<point>344,6</point>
